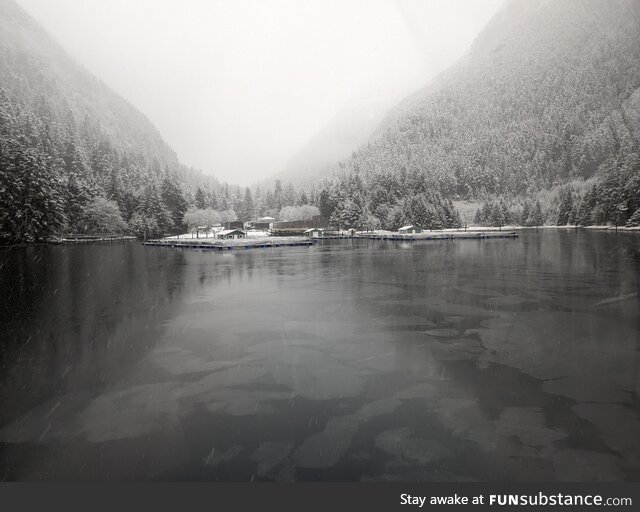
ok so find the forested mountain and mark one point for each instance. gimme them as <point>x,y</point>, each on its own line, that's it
<point>548,94</point>
<point>34,66</point>
<point>67,140</point>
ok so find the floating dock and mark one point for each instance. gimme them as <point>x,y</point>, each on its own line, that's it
<point>457,235</point>
<point>268,242</point>
<point>80,239</point>
<point>236,244</point>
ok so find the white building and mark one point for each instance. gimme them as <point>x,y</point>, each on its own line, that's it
<point>231,234</point>
<point>410,230</point>
<point>314,232</point>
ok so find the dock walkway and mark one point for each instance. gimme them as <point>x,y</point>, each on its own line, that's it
<point>267,242</point>
<point>88,239</point>
<point>237,244</point>
<point>457,235</point>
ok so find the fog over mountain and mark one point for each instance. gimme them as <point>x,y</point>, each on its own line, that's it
<point>545,89</point>
<point>237,88</point>
<point>548,95</point>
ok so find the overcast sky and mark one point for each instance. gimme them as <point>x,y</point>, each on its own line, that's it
<point>236,87</point>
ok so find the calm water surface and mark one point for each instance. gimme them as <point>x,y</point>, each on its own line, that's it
<point>351,360</point>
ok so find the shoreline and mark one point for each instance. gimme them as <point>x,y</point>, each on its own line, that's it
<point>186,238</point>
<point>516,227</point>
<point>88,239</point>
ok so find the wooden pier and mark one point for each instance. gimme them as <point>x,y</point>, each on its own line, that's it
<point>237,244</point>
<point>270,242</point>
<point>457,235</point>
<point>88,239</point>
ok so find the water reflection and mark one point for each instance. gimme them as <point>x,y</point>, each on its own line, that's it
<point>75,318</point>
<point>468,360</point>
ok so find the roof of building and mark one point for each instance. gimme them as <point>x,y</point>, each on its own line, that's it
<point>403,228</point>
<point>229,231</point>
<point>264,219</point>
<point>312,229</point>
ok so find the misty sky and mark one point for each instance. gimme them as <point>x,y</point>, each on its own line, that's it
<point>237,87</point>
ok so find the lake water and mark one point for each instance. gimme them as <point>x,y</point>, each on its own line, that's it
<point>484,360</point>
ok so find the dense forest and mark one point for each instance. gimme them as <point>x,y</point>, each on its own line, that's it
<point>72,151</point>
<point>58,175</point>
<point>548,96</point>
<point>77,158</point>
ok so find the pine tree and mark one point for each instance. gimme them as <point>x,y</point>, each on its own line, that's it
<point>574,215</point>
<point>247,208</point>
<point>634,220</point>
<point>73,159</point>
<point>537,218</point>
<point>587,204</point>
<point>526,212</point>
<point>327,205</point>
<point>212,200</point>
<point>153,211</point>
<point>278,196</point>
<point>497,215</point>
<point>348,214</point>
<point>76,195</point>
<point>114,188</point>
<point>478,217</point>
<point>174,202</point>
<point>201,200</point>
<point>565,207</point>
<point>40,214</point>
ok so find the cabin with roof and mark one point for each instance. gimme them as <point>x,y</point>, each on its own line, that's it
<point>314,232</point>
<point>231,234</point>
<point>410,230</point>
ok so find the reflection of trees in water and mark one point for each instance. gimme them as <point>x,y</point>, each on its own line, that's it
<point>568,261</point>
<point>420,269</point>
<point>557,265</point>
<point>606,259</point>
<point>238,266</point>
<point>77,318</point>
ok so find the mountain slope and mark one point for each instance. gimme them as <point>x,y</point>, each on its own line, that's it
<point>547,94</point>
<point>67,140</point>
<point>33,65</point>
<point>523,110</point>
